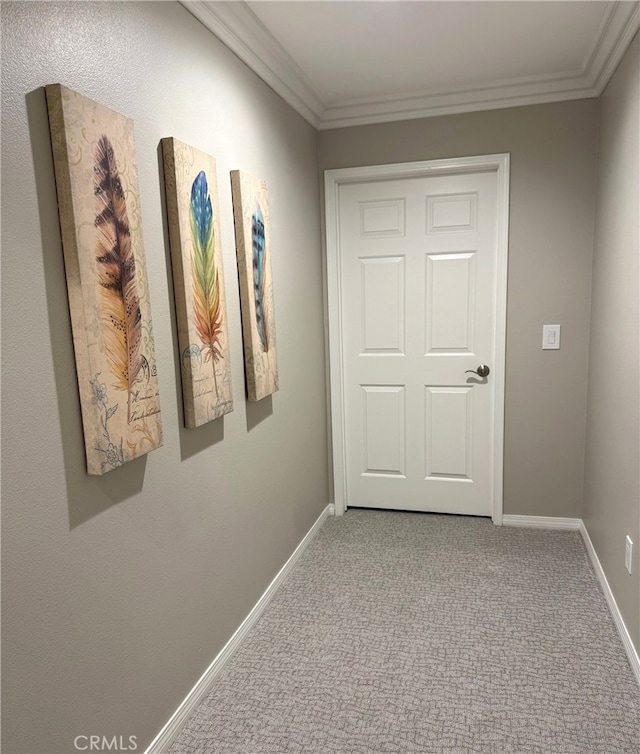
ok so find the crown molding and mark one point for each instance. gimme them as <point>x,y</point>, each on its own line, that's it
<point>242,32</point>
<point>619,27</point>
<point>507,94</point>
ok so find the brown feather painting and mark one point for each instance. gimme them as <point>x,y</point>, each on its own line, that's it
<point>253,248</point>
<point>99,207</point>
<point>198,282</point>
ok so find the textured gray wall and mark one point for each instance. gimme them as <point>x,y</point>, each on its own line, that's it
<point>119,591</point>
<point>612,469</point>
<point>553,172</point>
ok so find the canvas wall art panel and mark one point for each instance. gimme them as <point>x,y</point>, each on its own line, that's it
<point>253,247</point>
<point>101,226</point>
<point>198,281</point>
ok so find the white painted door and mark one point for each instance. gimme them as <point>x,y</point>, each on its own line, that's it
<point>419,283</point>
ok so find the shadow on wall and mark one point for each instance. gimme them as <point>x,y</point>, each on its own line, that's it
<point>87,496</point>
<point>258,412</point>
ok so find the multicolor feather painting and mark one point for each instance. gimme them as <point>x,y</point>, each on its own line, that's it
<point>251,213</point>
<point>198,282</point>
<point>99,206</point>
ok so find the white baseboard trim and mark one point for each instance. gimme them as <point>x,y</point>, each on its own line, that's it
<point>175,724</point>
<point>332,509</point>
<point>632,654</point>
<point>543,522</point>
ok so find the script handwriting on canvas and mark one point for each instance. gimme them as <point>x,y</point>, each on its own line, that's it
<point>198,281</point>
<point>251,216</point>
<point>98,200</point>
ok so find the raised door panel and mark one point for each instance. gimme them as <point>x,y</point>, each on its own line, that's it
<point>450,303</point>
<point>448,433</point>
<point>383,427</point>
<point>451,212</point>
<point>383,304</point>
<point>382,219</point>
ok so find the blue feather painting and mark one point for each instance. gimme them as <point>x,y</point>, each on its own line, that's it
<point>251,215</point>
<point>196,259</point>
<point>258,247</point>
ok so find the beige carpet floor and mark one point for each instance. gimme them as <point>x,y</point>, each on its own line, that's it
<point>403,632</point>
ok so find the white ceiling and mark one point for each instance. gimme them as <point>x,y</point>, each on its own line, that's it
<point>341,63</point>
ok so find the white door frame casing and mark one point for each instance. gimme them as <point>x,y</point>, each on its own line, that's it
<point>333,179</point>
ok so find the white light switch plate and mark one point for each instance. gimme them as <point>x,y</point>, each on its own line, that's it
<point>550,337</point>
